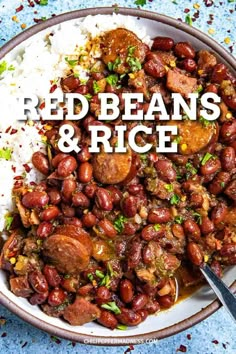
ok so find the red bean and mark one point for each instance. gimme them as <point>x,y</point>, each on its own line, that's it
<point>71,221</point>
<point>218,213</point>
<point>35,199</point>
<point>228,249</point>
<point>207,225</point>
<point>134,189</point>
<point>103,199</point>
<point>155,68</point>
<point>68,187</point>
<point>54,196</point>
<point>89,220</point>
<point>149,232</point>
<point>66,166</point>
<point>70,83</point>
<point>90,190</point>
<point>107,319</point>
<point>139,302</point>
<point>103,295</point>
<point>134,255</point>
<point>79,199</point>
<point>219,73</point>
<point>115,193</point>
<point>40,162</point>
<point>165,170</point>
<point>44,229</point>
<point>192,229</point>
<point>126,291</point>
<point>159,215</point>
<point>152,306</point>
<point>82,89</point>
<point>196,200</point>
<point>178,231</point>
<point>85,172</point>
<point>219,182</point>
<point>228,131</point>
<point>38,281</point>
<point>70,284</point>
<point>228,158</point>
<point>210,167</point>
<point>143,314</point>
<point>51,275</point>
<point>184,50</point>
<point>58,158</point>
<point>56,297</point>
<point>50,213</point>
<point>230,190</point>
<point>189,65</point>
<point>84,155</point>
<point>211,88</point>
<point>166,301</point>
<point>38,299</point>
<point>194,253</point>
<point>129,317</point>
<point>162,43</point>
<point>107,228</point>
<point>129,206</point>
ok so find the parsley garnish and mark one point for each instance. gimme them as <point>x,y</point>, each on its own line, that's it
<point>134,63</point>
<point>188,20</point>
<point>90,277</point>
<point>99,274</point>
<point>43,2</point>
<point>112,66</point>
<point>112,79</point>
<point>96,87</point>
<point>169,187</point>
<point>72,62</point>
<point>88,96</point>
<point>204,121</point>
<point>8,222</point>
<point>177,139</point>
<point>121,327</point>
<point>119,223</point>
<point>157,227</point>
<point>5,153</point>
<point>198,218</point>
<point>174,199</point>
<point>222,184</point>
<point>105,281</point>
<point>140,2</point>
<point>4,66</point>
<point>206,158</point>
<point>179,219</point>
<point>131,50</point>
<point>190,168</point>
<point>111,306</point>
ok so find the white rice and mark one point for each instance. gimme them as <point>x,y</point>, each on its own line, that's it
<point>42,62</point>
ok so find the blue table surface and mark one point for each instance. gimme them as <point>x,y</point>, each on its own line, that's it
<point>215,334</point>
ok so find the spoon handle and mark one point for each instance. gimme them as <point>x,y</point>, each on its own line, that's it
<point>224,294</point>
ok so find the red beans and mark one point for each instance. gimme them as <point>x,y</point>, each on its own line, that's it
<point>129,317</point>
<point>103,295</point>
<point>107,228</point>
<point>194,253</point>
<point>56,297</point>
<point>103,199</point>
<point>155,68</point>
<point>44,229</point>
<point>211,88</point>
<point>89,220</point>
<point>50,213</point>
<point>159,215</point>
<point>207,225</point>
<point>38,299</point>
<point>40,162</point>
<point>219,182</point>
<point>66,166</point>
<point>189,65</point>
<point>80,199</point>
<point>166,301</point>
<point>192,229</point>
<point>126,291</point>
<point>68,187</point>
<point>219,73</point>
<point>129,206</point>
<point>149,232</point>
<point>54,196</point>
<point>184,50</point>
<point>210,167</point>
<point>228,158</point>
<point>139,302</point>
<point>35,199</point>
<point>228,131</point>
<point>134,255</point>
<point>51,275</point>
<point>84,155</point>
<point>38,281</point>
<point>70,83</point>
<point>85,172</point>
<point>230,190</point>
<point>70,284</point>
<point>58,158</point>
<point>218,213</point>
<point>162,43</point>
<point>165,170</point>
<point>228,250</point>
<point>107,319</point>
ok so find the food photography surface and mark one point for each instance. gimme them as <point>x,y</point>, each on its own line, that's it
<point>118,176</point>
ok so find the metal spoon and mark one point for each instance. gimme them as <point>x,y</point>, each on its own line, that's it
<point>226,297</point>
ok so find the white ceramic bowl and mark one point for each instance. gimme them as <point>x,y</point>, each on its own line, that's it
<point>184,314</point>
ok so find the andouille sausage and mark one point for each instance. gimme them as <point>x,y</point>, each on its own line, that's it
<point>80,312</point>
<point>116,49</point>
<point>112,168</point>
<point>77,233</point>
<point>180,83</point>
<point>68,255</point>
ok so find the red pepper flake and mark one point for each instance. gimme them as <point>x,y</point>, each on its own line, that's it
<point>215,341</point>
<point>128,350</point>
<point>13,169</point>
<point>20,8</point>
<point>189,336</point>
<point>18,178</point>
<point>3,334</point>
<point>24,345</point>
<point>27,168</point>
<point>37,20</point>
<point>33,183</point>
<point>196,14</point>
<point>8,129</point>
<point>13,131</point>
<point>186,11</point>
<point>42,105</point>
<point>18,184</point>
<point>53,88</point>
<point>209,22</point>
<point>182,348</point>
<point>208,3</point>
<point>31,3</point>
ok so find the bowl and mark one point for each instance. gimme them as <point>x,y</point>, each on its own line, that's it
<point>185,313</point>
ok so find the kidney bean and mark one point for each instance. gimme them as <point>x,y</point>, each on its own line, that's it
<point>139,302</point>
<point>166,301</point>
<point>56,297</point>
<point>129,206</point>
<point>107,228</point>
<point>196,200</point>
<point>103,295</point>
<point>82,89</point>
<point>38,299</point>
<point>162,43</point>
<point>228,158</point>
<point>89,220</point>
<point>192,229</point>
<point>210,167</point>
<point>85,172</point>
<point>71,221</point>
<point>54,196</point>
<point>178,159</point>
<point>184,50</point>
<point>211,88</point>
<point>38,281</point>
<point>84,155</point>
<point>189,65</point>
<point>230,100</point>
<point>149,232</point>
<point>50,213</point>
<point>143,313</point>
<point>217,269</point>
<point>155,68</point>
<point>66,166</point>
<point>51,275</point>
<point>152,306</point>
<point>107,319</point>
<point>228,131</point>
<point>219,73</point>
<point>228,249</point>
<point>67,210</point>
<point>103,199</point>
<point>218,213</point>
<point>129,228</point>
<point>129,317</point>
<point>165,170</point>
<point>44,229</point>
<point>40,162</point>
<point>70,83</point>
<point>90,190</point>
<point>115,193</point>
<point>85,290</point>
<point>58,158</point>
<point>159,215</point>
<point>219,182</point>
<point>207,225</point>
<point>134,189</point>
<point>80,199</point>
<point>68,187</point>
<point>194,253</point>
<point>177,230</point>
<point>70,284</point>
<point>41,187</point>
<point>230,191</point>
<point>126,291</point>
<point>134,255</point>
<point>35,199</point>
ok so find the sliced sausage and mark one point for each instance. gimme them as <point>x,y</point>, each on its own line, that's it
<point>77,233</point>
<point>81,312</point>
<point>112,168</point>
<point>116,44</point>
<point>206,61</point>
<point>68,255</point>
<point>180,83</point>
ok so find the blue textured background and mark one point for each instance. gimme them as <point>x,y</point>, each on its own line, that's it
<point>216,335</point>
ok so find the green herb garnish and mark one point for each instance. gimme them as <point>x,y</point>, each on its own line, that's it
<point>121,327</point>
<point>177,139</point>
<point>96,87</point>
<point>131,50</point>
<point>72,62</point>
<point>198,218</point>
<point>99,274</point>
<point>105,281</point>
<point>157,227</point>
<point>112,79</point>
<point>111,306</point>
<point>8,222</point>
<point>190,168</point>
<point>206,158</point>
<point>90,277</point>
<point>88,96</point>
<point>4,66</point>
<point>174,199</point>
<point>140,2</point>
<point>43,2</point>
<point>188,20</point>
<point>179,219</point>
<point>204,121</point>
<point>119,223</point>
<point>134,64</point>
<point>5,153</point>
<point>169,187</point>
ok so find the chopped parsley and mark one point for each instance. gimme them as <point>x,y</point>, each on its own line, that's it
<point>206,158</point>
<point>111,306</point>
<point>204,122</point>
<point>4,66</point>
<point>157,227</point>
<point>90,277</point>
<point>188,20</point>
<point>96,87</point>
<point>177,139</point>
<point>112,66</point>
<point>174,199</point>
<point>140,2</point>
<point>131,50</point>
<point>105,281</point>
<point>169,187</point>
<point>99,274</point>
<point>191,168</point>
<point>5,153</point>
<point>143,157</point>
<point>134,64</point>
<point>121,327</point>
<point>119,223</point>
<point>72,62</point>
<point>43,2</point>
<point>197,217</point>
<point>88,96</point>
<point>112,79</point>
<point>179,219</point>
<point>222,184</point>
<point>199,89</point>
<point>8,222</point>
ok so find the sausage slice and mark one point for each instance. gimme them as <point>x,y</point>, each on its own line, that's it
<point>180,83</point>
<point>68,255</point>
<point>77,233</point>
<point>117,44</point>
<point>80,312</point>
<point>112,168</point>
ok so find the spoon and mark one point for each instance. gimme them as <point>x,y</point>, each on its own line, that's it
<point>224,294</point>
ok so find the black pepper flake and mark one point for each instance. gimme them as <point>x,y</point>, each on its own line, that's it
<point>196,14</point>
<point>182,348</point>
<point>209,22</point>
<point>231,49</point>
<point>211,16</point>
<point>189,336</point>
<point>4,334</point>
<point>128,350</point>
<point>31,3</point>
<point>55,339</point>
<point>215,341</point>
<point>208,3</point>
<point>24,345</point>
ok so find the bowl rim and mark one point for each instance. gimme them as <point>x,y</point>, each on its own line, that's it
<point>188,322</point>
